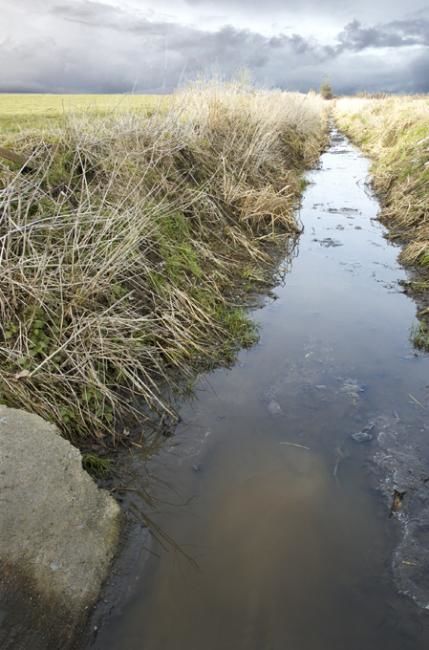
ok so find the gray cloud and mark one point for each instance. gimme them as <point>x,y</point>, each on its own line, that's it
<point>418,75</point>
<point>394,34</point>
<point>85,46</point>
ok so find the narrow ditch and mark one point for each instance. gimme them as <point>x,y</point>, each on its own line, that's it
<point>271,505</point>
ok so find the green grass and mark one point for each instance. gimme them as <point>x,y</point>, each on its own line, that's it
<point>44,111</point>
<point>96,465</point>
<point>243,331</point>
<point>417,286</point>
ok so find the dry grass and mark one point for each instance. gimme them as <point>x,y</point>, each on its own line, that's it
<point>395,133</point>
<point>122,254</point>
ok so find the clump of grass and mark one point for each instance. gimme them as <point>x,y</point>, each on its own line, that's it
<point>420,336</point>
<point>96,465</point>
<point>120,256</point>
<point>244,332</point>
<point>417,286</point>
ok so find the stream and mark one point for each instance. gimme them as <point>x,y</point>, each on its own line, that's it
<point>274,526</point>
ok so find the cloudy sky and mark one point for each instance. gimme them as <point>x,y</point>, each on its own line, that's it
<point>153,46</point>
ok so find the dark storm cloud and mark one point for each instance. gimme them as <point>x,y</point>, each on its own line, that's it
<point>418,77</point>
<point>226,39</point>
<point>93,46</point>
<point>354,36</point>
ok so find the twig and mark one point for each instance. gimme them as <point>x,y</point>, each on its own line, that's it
<point>294,444</point>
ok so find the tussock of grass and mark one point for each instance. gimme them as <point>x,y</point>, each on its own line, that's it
<point>420,336</point>
<point>96,465</point>
<point>121,255</point>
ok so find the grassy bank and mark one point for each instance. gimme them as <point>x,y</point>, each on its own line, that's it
<point>394,131</point>
<point>126,253</point>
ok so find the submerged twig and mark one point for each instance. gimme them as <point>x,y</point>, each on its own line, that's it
<point>295,444</point>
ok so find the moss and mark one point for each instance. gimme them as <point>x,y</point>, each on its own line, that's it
<point>176,252</point>
<point>182,259</point>
<point>174,227</point>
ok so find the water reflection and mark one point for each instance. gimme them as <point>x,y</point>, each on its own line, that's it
<point>279,539</point>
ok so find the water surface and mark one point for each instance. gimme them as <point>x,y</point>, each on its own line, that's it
<point>282,542</point>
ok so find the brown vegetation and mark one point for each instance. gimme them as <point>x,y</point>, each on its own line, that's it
<point>122,255</point>
<point>394,131</point>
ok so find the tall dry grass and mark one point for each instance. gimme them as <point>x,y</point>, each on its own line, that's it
<point>394,131</point>
<point>123,255</point>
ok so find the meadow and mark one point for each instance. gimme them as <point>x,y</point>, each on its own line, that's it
<point>43,111</point>
<point>131,238</point>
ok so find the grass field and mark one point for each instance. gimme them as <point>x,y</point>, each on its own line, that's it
<point>24,111</point>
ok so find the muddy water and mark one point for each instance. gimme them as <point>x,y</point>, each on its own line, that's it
<point>281,539</point>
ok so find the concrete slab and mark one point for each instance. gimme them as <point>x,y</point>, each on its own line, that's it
<point>58,534</point>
